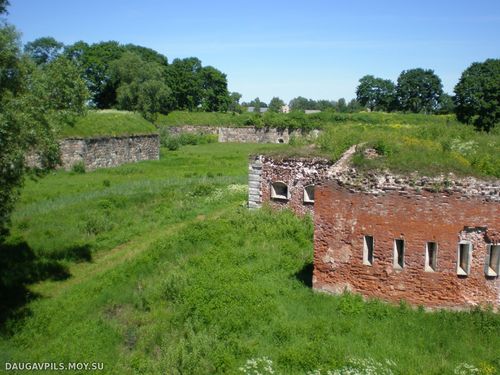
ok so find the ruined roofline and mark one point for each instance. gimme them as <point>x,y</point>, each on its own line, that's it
<point>377,183</point>
<point>380,182</point>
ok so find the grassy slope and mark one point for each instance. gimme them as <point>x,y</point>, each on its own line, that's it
<point>184,279</point>
<point>299,120</point>
<point>108,122</point>
<point>428,144</point>
<point>430,149</point>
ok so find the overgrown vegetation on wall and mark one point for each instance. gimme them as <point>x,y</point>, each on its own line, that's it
<point>299,120</point>
<point>107,123</point>
<point>427,149</point>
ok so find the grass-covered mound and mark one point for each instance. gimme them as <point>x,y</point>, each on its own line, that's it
<point>108,123</point>
<point>173,275</point>
<point>428,149</point>
<point>298,120</point>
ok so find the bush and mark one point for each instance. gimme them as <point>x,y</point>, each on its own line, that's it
<point>78,167</point>
<point>173,142</point>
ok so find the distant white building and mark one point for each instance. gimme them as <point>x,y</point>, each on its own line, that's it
<point>311,111</point>
<point>285,109</point>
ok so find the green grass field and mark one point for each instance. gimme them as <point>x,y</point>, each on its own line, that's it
<point>106,123</point>
<point>158,268</point>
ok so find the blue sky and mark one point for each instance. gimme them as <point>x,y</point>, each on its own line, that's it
<point>317,48</point>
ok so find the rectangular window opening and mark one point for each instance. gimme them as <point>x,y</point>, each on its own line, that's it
<point>431,257</point>
<point>368,250</point>
<point>464,253</point>
<point>399,253</point>
<point>493,263</point>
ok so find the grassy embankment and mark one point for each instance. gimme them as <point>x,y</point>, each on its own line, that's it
<point>297,120</point>
<point>428,144</point>
<point>108,123</point>
<point>176,276</point>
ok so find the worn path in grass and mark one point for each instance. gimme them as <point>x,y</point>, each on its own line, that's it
<point>107,260</point>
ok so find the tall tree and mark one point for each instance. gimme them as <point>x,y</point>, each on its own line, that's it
<point>418,90</point>
<point>95,60</point>
<point>147,54</point>
<point>43,50</point>
<point>185,78</point>
<point>301,104</point>
<point>33,102</point>
<point>377,94</point>
<point>257,104</point>
<point>477,95</point>
<point>141,85</point>
<point>234,105</point>
<point>446,105</point>
<point>341,105</point>
<point>3,6</point>
<point>276,104</point>
<point>215,97</point>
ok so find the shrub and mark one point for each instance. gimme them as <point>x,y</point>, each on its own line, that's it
<point>78,167</point>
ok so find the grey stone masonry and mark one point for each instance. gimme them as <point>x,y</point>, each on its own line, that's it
<point>245,134</point>
<point>251,134</point>
<point>254,182</point>
<point>104,152</point>
<point>192,129</point>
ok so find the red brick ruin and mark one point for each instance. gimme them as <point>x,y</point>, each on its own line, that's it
<point>433,242</point>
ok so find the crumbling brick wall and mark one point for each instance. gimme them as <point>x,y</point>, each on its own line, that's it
<point>295,173</point>
<point>345,214</point>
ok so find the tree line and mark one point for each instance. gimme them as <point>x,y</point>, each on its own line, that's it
<point>476,98</point>
<point>136,78</point>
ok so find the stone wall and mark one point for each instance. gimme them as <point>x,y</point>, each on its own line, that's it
<point>344,215</point>
<point>247,134</point>
<point>193,129</point>
<point>251,134</point>
<point>105,152</point>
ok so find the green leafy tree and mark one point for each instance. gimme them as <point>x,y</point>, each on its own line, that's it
<point>141,85</point>
<point>3,6</point>
<point>341,105</point>
<point>33,102</point>
<point>377,94</point>
<point>276,104</point>
<point>94,61</point>
<point>185,78</point>
<point>147,54</point>
<point>477,95</point>
<point>354,106</point>
<point>215,97</point>
<point>446,104</point>
<point>326,105</point>
<point>43,50</point>
<point>301,104</point>
<point>418,90</point>
<point>234,104</point>
<point>257,104</point>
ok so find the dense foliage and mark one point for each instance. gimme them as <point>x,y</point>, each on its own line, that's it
<point>376,94</point>
<point>276,104</point>
<point>478,95</point>
<point>299,120</point>
<point>34,102</point>
<point>418,90</point>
